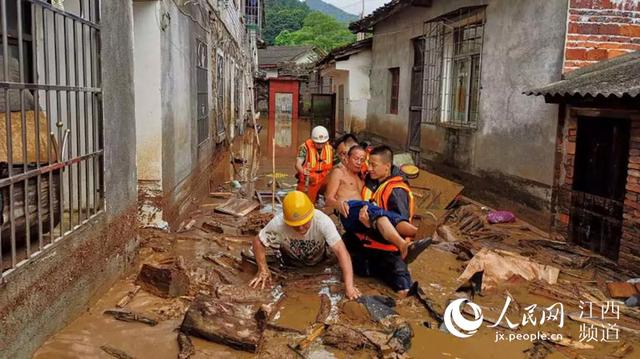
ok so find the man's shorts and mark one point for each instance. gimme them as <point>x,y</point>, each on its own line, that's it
<point>352,222</point>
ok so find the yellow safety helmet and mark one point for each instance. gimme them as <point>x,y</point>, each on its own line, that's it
<point>297,209</point>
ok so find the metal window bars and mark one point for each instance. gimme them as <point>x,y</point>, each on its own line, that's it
<point>253,16</point>
<point>452,63</point>
<point>51,142</point>
<point>202,73</point>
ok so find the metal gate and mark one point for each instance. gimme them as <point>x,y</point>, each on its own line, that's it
<point>51,140</point>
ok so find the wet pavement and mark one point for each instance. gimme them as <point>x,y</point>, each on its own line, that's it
<point>298,307</point>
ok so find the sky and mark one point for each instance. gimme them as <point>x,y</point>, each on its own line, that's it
<point>355,6</point>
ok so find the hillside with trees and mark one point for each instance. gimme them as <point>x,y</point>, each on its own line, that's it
<point>292,22</point>
<point>333,11</point>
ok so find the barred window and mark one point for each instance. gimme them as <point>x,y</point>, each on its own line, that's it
<point>220,95</point>
<point>451,90</point>
<point>51,140</point>
<point>202,71</point>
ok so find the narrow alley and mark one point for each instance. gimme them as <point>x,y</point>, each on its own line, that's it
<point>320,179</point>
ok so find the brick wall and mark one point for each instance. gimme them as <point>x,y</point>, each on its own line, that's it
<point>600,29</point>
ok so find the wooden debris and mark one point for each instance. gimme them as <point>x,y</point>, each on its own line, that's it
<point>540,350</point>
<point>128,298</point>
<point>116,353</point>
<point>186,346</point>
<point>621,290</point>
<point>346,339</point>
<point>129,316</point>
<point>165,281</point>
<point>566,342</point>
<point>189,225</point>
<point>238,207</point>
<point>216,259</point>
<point>282,329</point>
<point>316,331</point>
<point>227,276</point>
<point>211,228</point>
<point>224,323</point>
<point>296,351</point>
<point>243,294</point>
<point>221,194</point>
<point>325,309</point>
<point>622,350</point>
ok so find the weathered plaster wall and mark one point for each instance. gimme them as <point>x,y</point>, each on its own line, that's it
<point>42,296</point>
<point>178,99</point>
<point>358,92</point>
<point>148,76</point>
<point>513,147</point>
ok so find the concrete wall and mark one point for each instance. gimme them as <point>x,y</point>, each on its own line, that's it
<point>359,67</point>
<point>45,294</point>
<point>178,99</point>
<point>148,75</point>
<point>512,149</point>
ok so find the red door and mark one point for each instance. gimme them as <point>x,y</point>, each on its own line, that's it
<point>283,115</point>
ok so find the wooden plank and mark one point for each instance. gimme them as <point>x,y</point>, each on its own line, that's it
<point>238,207</point>
<point>437,191</point>
<point>165,281</point>
<point>621,290</point>
<point>221,322</point>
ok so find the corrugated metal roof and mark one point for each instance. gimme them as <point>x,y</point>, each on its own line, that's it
<point>617,77</point>
<point>274,55</point>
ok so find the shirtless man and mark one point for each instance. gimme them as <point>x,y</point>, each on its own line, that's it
<point>343,193</point>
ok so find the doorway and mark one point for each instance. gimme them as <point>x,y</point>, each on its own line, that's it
<point>600,176</point>
<point>323,108</point>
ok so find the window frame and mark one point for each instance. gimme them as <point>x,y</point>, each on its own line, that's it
<point>202,90</point>
<point>447,48</point>
<point>394,90</point>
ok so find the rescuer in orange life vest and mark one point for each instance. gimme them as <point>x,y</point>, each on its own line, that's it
<point>385,185</point>
<point>315,160</point>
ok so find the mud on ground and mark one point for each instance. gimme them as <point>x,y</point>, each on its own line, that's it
<point>208,246</point>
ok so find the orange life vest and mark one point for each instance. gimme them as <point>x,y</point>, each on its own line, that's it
<point>381,198</point>
<point>316,164</point>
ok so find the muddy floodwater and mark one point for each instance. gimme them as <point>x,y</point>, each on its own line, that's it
<point>437,271</point>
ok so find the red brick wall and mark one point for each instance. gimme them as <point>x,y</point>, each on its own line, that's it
<point>600,29</point>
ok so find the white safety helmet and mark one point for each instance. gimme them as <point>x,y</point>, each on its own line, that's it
<point>319,134</point>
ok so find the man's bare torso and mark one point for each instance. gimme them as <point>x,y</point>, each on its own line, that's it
<point>350,186</point>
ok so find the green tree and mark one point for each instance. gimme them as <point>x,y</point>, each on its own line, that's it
<point>319,30</point>
<point>283,15</point>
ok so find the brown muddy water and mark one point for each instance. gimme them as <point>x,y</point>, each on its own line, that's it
<point>436,270</point>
